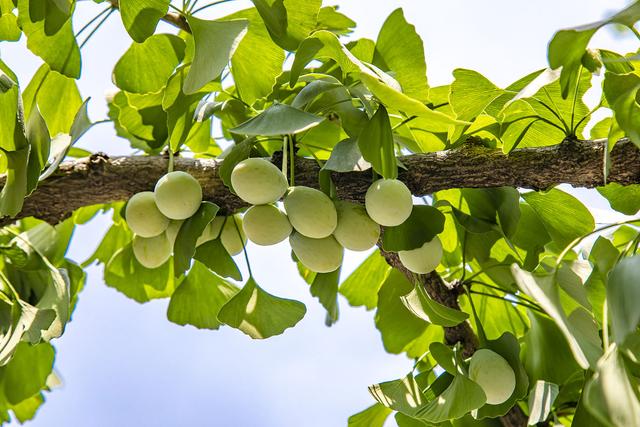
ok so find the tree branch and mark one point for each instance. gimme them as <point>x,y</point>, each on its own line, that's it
<point>100,179</point>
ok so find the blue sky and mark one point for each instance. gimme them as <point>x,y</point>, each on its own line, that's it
<point>124,364</point>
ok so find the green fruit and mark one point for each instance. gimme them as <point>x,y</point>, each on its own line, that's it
<point>231,240</point>
<point>494,374</point>
<point>172,230</point>
<point>211,231</point>
<point>178,195</point>
<point>143,216</point>
<point>319,255</point>
<point>388,202</point>
<point>258,181</point>
<point>355,230</point>
<point>152,252</point>
<point>423,260</point>
<point>311,212</point>
<point>266,225</point>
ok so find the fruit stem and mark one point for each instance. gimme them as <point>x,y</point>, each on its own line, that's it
<point>170,167</point>
<point>244,248</point>
<point>285,157</point>
<point>292,161</point>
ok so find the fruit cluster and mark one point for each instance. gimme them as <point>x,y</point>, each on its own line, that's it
<point>318,228</point>
<point>156,217</point>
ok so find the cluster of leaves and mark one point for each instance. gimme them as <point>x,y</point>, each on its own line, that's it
<point>547,309</point>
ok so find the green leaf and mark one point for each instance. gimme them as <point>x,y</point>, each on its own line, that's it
<point>403,395</point>
<point>124,273</point>
<point>39,141</point>
<point>547,356</point>
<point>425,308</point>
<point>620,92</point>
<point>278,119</point>
<point>330,19</point>
<point>399,48</point>
<point>568,46</point>
<point>563,216</point>
<point>15,186</point>
<point>362,286</point>
<point>471,93</point>
<point>60,50</point>
<point>346,157</point>
<point>377,146</point>
<point>260,314</point>
<point>625,199</point>
<point>424,223</point>
<point>611,395</point>
<point>199,298</point>
<point>622,292</point>
<point>9,29</point>
<point>238,153</point>
<point>325,288</point>
<point>184,247</point>
<point>140,17</point>
<point>288,21</point>
<point>61,144</point>
<point>579,334</point>
<point>398,326</point>
<point>26,410</point>
<point>541,399</point>
<point>48,90</point>
<point>374,416</point>
<point>252,85</point>
<point>26,374</point>
<point>449,405</point>
<point>146,67</point>
<point>216,258</point>
<point>208,63</point>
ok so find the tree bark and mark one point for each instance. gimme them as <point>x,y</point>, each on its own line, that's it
<point>100,179</point>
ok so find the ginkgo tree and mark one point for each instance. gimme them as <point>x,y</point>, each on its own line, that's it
<point>516,309</point>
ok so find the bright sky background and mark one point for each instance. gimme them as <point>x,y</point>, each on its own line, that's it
<point>124,364</point>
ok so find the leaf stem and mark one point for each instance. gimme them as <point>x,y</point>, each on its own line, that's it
<point>486,294</point>
<point>404,122</point>
<point>92,20</point>
<point>244,247</point>
<point>605,325</point>
<point>97,27</point>
<point>575,98</point>
<point>201,8</point>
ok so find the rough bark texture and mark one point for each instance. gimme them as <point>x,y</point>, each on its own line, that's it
<point>100,179</point>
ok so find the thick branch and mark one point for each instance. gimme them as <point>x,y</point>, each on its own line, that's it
<point>99,179</point>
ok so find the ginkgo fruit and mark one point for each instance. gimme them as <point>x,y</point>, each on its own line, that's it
<point>232,235</point>
<point>143,216</point>
<point>355,230</point>
<point>319,255</point>
<point>258,181</point>
<point>152,252</point>
<point>211,231</point>
<point>388,202</point>
<point>311,212</point>
<point>494,374</point>
<point>424,259</point>
<point>178,195</point>
<point>266,225</point>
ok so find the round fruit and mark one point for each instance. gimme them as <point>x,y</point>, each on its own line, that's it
<point>423,260</point>
<point>388,202</point>
<point>494,374</point>
<point>231,240</point>
<point>258,181</point>
<point>319,255</point>
<point>211,231</point>
<point>178,195</point>
<point>152,252</point>
<point>172,230</point>
<point>266,225</point>
<point>311,212</point>
<point>355,230</point>
<point>143,216</point>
